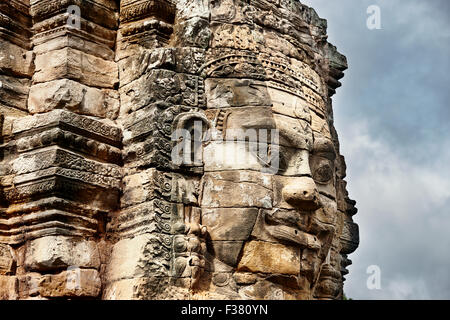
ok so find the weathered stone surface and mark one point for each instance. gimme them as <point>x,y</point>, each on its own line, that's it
<point>126,257</point>
<point>158,288</point>
<point>229,223</point>
<point>29,284</point>
<point>15,60</point>
<point>76,65</point>
<point>7,261</point>
<point>232,155</point>
<point>98,200</point>
<point>151,184</point>
<point>291,192</point>
<point>193,32</point>
<point>73,96</point>
<point>289,104</point>
<point>288,226</point>
<point>79,42</point>
<point>71,283</point>
<point>57,252</point>
<point>14,91</point>
<point>227,251</point>
<point>160,86</point>
<point>8,288</point>
<point>267,290</point>
<point>144,60</point>
<point>10,114</point>
<point>224,93</point>
<point>265,257</point>
<point>294,132</point>
<point>350,237</point>
<point>142,256</point>
<point>193,8</point>
<point>236,189</point>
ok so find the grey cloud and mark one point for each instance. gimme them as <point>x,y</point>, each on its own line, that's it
<point>393,118</point>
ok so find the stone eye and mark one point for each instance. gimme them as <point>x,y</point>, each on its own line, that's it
<point>323,174</point>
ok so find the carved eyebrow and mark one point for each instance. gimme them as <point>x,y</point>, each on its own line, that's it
<point>325,148</point>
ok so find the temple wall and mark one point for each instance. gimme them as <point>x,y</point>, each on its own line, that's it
<point>92,203</point>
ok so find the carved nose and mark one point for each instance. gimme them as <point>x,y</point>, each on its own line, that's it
<point>302,193</point>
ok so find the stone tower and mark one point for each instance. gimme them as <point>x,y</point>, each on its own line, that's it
<point>95,199</point>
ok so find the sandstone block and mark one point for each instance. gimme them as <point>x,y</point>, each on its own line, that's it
<point>189,60</point>
<point>268,290</point>
<point>73,96</point>
<point>10,115</point>
<point>265,257</point>
<point>162,86</point>
<point>76,65</point>
<point>287,226</point>
<point>193,32</point>
<point>226,251</point>
<point>248,119</point>
<point>122,289</point>
<point>151,183</point>
<point>294,132</point>
<point>233,155</point>
<point>349,237</point>
<point>148,288</point>
<point>15,60</point>
<point>229,223</point>
<point>141,256</point>
<point>71,283</point>
<point>187,9</point>
<point>7,260</point>
<point>225,93</point>
<point>237,189</point>
<point>74,41</point>
<point>144,60</point>
<point>58,252</point>
<point>29,284</point>
<point>14,92</point>
<point>289,104</point>
<point>320,125</point>
<point>8,288</point>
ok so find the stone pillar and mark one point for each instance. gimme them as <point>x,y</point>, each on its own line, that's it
<point>16,60</point>
<point>66,169</point>
<point>115,181</point>
<point>16,70</point>
<point>156,236</point>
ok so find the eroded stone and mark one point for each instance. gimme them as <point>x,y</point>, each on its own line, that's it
<point>59,252</point>
<point>266,257</point>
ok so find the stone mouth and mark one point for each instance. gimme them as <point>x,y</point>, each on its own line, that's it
<point>290,226</point>
<point>294,235</point>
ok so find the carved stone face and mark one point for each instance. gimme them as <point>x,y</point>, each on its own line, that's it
<point>268,232</point>
<point>88,178</point>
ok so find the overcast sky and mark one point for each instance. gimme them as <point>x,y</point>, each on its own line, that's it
<point>392,115</point>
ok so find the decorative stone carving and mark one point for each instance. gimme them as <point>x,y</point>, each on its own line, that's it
<point>98,201</point>
<point>7,261</point>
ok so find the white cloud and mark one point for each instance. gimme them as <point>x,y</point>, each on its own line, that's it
<point>402,224</point>
<point>403,289</point>
<point>390,115</point>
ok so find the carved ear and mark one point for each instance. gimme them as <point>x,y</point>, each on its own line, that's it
<point>190,130</point>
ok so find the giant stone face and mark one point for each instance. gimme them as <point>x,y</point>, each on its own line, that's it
<point>159,149</point>
<point>269,193</point>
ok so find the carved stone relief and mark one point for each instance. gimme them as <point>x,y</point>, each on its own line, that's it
<point>95,200</point>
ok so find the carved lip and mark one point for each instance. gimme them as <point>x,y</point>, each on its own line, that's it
<point>301,238</point>
<point>285,226</point>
